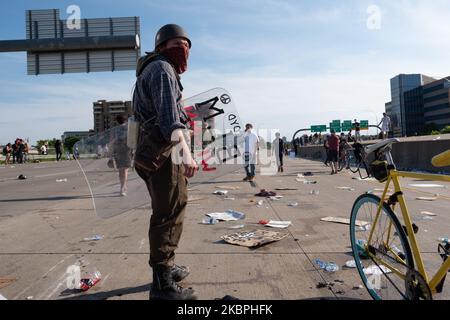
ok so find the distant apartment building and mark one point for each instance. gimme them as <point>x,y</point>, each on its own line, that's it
<point>105,113</point>
<point>397,112</point>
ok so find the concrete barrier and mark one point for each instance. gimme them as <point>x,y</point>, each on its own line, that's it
<point>409,154</point>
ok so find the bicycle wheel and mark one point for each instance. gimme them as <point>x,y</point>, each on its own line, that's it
<point>353,163</point>
<point>389,246</point>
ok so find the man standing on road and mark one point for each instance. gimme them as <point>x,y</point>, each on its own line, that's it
<point>357,128</point>
<point>157,104</point>
<point>58,149</point>
<point>333,151</point>
<point>385,125</point>
<point>278,151</point>
<point>250,153</point>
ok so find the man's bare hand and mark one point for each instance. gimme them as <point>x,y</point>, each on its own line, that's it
<point>190,169</point>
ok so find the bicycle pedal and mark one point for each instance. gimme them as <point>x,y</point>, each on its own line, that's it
<point>415,229</point>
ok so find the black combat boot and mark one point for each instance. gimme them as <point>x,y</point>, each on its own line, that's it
<point>165,288</point>
<point>179,272</point>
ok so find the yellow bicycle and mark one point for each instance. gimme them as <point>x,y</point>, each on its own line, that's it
<point>386,251</point>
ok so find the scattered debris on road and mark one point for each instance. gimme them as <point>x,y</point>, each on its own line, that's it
<point>229,215</point>
<point>293,204</point>
<point>221,192</point>
<point>346,188</point>
<point>93,238</point>
<point>227,187</point>
<point>358,223</point>
<point>210,221</point>
<point>275,223</point>
<point>253,238</point>
<point>329,267</point>
<point>350,264</point>
<point>87,283</point>
<point>427,213</point>
<point>428,198</point>
<point>314,192</point>
<point>61,180</point>
<point>21,177</point>
<point>425,185</point>
<point>265,193</point>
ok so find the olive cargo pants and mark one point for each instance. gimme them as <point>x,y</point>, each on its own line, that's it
<point>168,191</point>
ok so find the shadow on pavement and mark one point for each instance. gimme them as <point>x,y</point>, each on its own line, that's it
<point>105,294</point>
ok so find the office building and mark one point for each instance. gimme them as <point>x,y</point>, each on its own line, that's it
<point>105,113</point>
<point>399,85</point>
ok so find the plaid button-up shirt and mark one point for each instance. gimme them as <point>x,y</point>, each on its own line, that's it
<point>157,97</point>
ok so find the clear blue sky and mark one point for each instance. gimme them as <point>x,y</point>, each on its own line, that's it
<point>288,64</point>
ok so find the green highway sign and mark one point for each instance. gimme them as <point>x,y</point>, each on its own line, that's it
<point>364,124</point>
<point>336,125</point>
<point>347,125</point>
<point>319,128</point>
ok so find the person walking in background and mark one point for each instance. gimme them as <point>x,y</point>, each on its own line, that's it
<point>120,152</point>
<point>278,150</point>
<point>357,127</point>
<point>333,150</point>
<point>250,154</point>
<point>327,149</point>
<point>385,125</point>
<point>58,149</point>
<point>20,150</point>
<point>7,150</point>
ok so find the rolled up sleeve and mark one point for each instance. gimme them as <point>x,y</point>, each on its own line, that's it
<point>164,91</point>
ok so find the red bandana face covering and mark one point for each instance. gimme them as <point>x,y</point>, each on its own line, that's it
<point>178,56</point>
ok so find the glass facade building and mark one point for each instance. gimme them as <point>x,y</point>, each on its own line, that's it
<point>399,85</point>
<point>436,103</point>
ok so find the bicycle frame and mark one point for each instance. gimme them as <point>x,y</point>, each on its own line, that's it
<point>394,178</point>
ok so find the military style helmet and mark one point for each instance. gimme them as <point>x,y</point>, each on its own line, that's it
<point>168,32</point>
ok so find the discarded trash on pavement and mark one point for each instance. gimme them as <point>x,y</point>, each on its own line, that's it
<point>227,188</point>
<point>314,192</point>
<point>428,198</point>
<point>192,199</point>
<point>229,198</point>
<point>265,193</point>
<point>375,270</point>
<point>275,198</point>
<point>61,180</point>
<point>87,283</point>
<point>238,226</point>
<point>229,215</point>
<point>329,267</point>
<point>425,185</point>
<point>350,264</point>
<point>221,192</point>
<point>210,220</point>
<point>278,224</point>
<point>308,174</point>
<point>346,188</point>
<point>253,238</point>
<point>21,177</point>
<point>358,223</point>
<point>309,182</point>
<point>293,204</point>
<point>427,213</point>
<point>93,238</point>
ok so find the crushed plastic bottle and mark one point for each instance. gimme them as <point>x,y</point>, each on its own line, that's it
<point>210,220</point>
<point>87,283</point>
<point>329,267</point>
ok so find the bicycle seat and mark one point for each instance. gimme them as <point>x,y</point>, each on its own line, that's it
<point>441,160</point>
<point>380,145</point>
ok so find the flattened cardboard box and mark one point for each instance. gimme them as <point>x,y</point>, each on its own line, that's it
<point>254,238</point>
